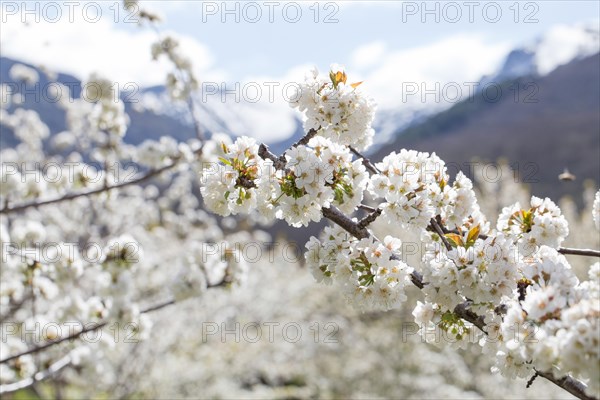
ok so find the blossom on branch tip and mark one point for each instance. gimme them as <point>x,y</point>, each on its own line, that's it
<point>338,111</point>
<point>540,224</point>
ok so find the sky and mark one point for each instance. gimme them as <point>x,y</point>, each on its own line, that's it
<point>384,43</point>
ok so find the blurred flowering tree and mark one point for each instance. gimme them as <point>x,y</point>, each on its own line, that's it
<point>72,247</point>
<point>96,233</point>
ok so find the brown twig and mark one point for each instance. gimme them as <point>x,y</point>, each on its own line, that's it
<point>350,226</point>
<point>561,250</point>
<point>438,229</point>
<point>369,219</point>
<point>72,196</point>
<point>571,385</point>
<point>366,162</point>
<point>52,370</point>
<point>579,252</point>
<point>97,326</point>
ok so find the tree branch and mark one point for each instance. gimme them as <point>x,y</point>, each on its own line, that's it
<point>561,250</point>
<point>265,154</point>
<point>438,229</point>
<point>579,252</point>
<point>369,219</point>
<point>359,231</point>
<point>367,208</point>
<point>279,162</point>
<point>53,369</point>
<point>366,162</point>
<point>305,139</point>
<point>571,385</point>
<point>100,325</point>
<point>462,310</point>
<point>72,196</point>
<point>350,226</point>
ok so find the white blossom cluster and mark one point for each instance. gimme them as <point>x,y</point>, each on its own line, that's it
<point>163,152</point>
<point>224,186</point>
<point>315,176</point>
<point>182,82</point>
<point>483,272</point>
<point>96,122</point>
<point>336,109</point>
<point>98,291</point>
<point>550,321</point>
<point>554,325</point>
<point>28,127</point>
<point>369,272</point>
<point>416,188</point>
<point>23,73</point>
<point>542,224</point>
<point>408,182</point>
<point>104,257</point>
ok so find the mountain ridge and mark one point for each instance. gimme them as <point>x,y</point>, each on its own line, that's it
<point>559,127</point>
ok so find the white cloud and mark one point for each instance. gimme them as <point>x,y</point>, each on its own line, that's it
<point>262,109</point>
<point>562,43</point>
<point>368,55</point>
<point>460,58</point>
<point>81,48</point>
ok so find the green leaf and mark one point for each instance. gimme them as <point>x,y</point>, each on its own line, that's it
<point>225,161</point>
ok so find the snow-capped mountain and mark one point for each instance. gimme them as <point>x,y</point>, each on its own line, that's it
<point>275,123</point>
<point>558,46</point>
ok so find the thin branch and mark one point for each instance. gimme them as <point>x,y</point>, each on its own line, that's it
<point>417,279</point>
<point>438,229</point>
<point>532,379</point>
<point>53,369</point>
<point>72,196</point>
<point>190,103</point>
<point>367,208</point>
<point>579,252</point>
<point>95,327</point>
<point>366,221</point>
<point>561,250</point>
<point>197,127</point>
<point>36,349</point>
<point>305,139</point>
<point>346,223</point>
<point>366,162</point>
<point>265,154</point>
<point>571,385</point>
<point>462,310</point>
<point>279,162</point>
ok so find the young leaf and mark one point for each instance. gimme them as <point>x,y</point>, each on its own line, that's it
<point>225,161</point>
<point>473,235</point>
<point>454,239</point>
